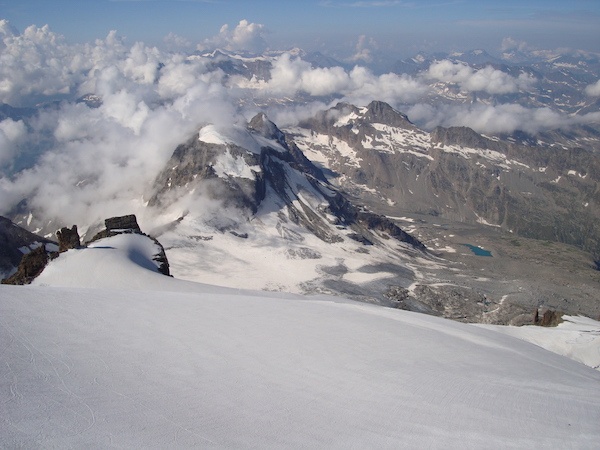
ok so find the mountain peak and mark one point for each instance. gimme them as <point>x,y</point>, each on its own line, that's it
<point>464,136</point>
<point>261,125</point>
<point>381,112</point>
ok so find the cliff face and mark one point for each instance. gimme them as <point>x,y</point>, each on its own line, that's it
<point>539,191</point>
<point>245,166</point>
<point>15,242</point>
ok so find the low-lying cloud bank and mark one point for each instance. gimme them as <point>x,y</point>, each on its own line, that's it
<point>493,119</point>
<point>488,79</point>
<point>82,162</point>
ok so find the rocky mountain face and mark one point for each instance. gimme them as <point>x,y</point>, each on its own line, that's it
<point>558,81</point>
<point>326,207</point>
<point>248,67</point>
<point>240,170</point>
<point>15,242</point>
<point>543,192</point>
<point>359,201</point>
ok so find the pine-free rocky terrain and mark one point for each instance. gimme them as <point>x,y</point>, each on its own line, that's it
<point>372,187</point>
<point>362,203</point>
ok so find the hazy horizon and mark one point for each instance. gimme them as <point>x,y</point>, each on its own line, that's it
<point>342,29</point>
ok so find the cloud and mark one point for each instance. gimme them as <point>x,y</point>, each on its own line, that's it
<point>488,79</point>
<point>82,163</point>
<point>593,89</point>
<point>6,29</point>
<point>490,119</point>
<point>245,36</point>
<point>34,64</point>
<point>12,135</point>
<point>510,44</point>
<point>79,163</point>
<point>290,76</point>
<point>363,49</point>
<point>174,42</point>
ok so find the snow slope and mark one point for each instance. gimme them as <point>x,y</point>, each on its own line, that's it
<point>577,338</point>
<point>168,363</point>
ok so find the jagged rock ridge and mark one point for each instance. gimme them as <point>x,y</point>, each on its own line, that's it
<point>375,153</point>
<point>270,163</point>
<point>34,261</point>
<point>15,242</point>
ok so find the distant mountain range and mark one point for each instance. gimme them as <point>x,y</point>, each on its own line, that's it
<point>359,200</point>
<point>558,79</point>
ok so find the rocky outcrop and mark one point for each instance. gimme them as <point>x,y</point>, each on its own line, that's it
<point>194,162</point>
<point>14,242</point>
<point>466,137</point>
<point>128,222</point>
<point>31,265</point>
<point>128,225</point>
<point>33,262</point>
<point>68,238</point>
<point>118,225</point>
<point>381,112</point>
<point>261,125</point>
<point>549,318</point>
<point>363,222</point>
<point>161,258</point>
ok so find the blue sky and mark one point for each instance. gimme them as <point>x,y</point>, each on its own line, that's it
<point>330,26</point>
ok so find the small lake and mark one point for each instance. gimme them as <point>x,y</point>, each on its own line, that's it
<point>478,250</point>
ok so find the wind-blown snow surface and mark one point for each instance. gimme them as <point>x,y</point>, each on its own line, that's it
<point>577,337</point>
<point>176,364</point>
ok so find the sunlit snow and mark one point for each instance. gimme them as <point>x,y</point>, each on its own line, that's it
<point>168,363</point>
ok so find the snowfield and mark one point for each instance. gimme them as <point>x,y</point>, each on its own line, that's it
<point>106,353</point>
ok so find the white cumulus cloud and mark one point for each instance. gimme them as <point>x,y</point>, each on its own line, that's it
<point>363,49</point>
<point>12,134</point>
<point>488,79</point>
<point>82,163</point>
<point>290,76</point>
<point>492,119</point>
<point>593,89</point>
<point>246,36</point>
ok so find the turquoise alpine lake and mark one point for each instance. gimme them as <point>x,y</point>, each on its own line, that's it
<point>478,250</point>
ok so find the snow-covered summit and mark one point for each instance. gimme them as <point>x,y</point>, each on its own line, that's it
<point>124,261</point>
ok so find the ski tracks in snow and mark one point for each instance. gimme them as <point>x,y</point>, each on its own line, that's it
<point>52,394</point>
<point>60,397</point>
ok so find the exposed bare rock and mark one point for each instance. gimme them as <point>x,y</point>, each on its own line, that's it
<point>261,124</point>
<point>161,258</point>
<point>31,265</point>
<point>276,164</point>
<point>118,225</point>
<point>549,318</point>
<point>128,222</point>
<point>527,187</point>
<point>68,238</point>
<point>193,163</point>
<point>466,137</point>
<point>14,242</point>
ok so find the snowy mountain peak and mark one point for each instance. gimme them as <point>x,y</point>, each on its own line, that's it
<point>261,125</point>
<point>381,112</point>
